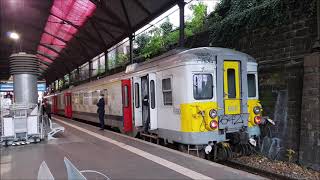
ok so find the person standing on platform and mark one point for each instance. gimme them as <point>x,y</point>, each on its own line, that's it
<point>101,111</point>
<point>48,109</point>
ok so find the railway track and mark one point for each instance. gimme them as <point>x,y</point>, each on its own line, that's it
<point>261,172</point>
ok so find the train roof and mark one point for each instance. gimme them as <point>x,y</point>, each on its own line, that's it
<point>172,57</point>
<point>200,52</point>
<point>216,51</point>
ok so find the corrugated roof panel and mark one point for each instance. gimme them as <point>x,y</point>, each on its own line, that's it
<point>67,16</point>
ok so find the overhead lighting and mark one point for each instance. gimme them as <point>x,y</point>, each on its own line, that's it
<point>14,35</point>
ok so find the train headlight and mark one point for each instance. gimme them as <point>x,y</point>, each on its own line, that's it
<point>257,120</point>
<point>213,124</point>
<point>257,110</point>
<point>213,113</point>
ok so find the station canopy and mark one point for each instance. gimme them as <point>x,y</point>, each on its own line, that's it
<point>65,34</point>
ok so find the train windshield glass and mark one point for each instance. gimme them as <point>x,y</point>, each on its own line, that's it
<point>202,86</point>
<point>252,92</point>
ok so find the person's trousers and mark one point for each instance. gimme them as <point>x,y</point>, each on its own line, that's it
<point>101,119</point>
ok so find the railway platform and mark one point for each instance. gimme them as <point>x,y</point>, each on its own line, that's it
<point>115,155</point>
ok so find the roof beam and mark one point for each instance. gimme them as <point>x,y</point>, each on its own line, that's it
<point>109,12</point>
<point>124,9</point>
<point>45,55</point>
<point>68,22</point>
<point>62,40</point>
<point>104,30</point>
<point>108,22</point>
<point>48,47</point>
<point>92,22</point>
<point>143,7</point>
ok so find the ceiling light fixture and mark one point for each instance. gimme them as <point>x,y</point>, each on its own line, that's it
<point>14,35</point>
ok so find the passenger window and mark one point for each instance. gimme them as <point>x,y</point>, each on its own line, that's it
<point>252,91</point>
<point>202,86</point>
<point>136,95</point>
<point>86,98</point>
<point>125,96</point>
<point>105,93</point>
<point>231,83</point>
<point>153,96</point>
<point>167,91</point>
<point>81,98</point>
<point>95,96</point>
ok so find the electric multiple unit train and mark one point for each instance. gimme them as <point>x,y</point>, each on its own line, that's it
<point>203,97</point>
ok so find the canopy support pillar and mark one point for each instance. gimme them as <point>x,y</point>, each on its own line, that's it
<point>181,5</point>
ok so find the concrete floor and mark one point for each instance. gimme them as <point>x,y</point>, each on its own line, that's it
<point>129,160</point>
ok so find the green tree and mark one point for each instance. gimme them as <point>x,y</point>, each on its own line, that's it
<point>141,41</point>
<point>166,27</point>
<point>199,14</point>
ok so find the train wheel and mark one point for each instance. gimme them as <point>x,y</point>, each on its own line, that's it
<point>222,153</point>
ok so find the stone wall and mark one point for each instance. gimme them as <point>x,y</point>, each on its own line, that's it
<point>309,152</point>
<point>280,52</point>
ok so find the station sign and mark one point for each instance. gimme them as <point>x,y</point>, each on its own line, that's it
<point>8,87</point>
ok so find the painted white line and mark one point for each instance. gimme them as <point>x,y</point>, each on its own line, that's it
<point>173,166</point>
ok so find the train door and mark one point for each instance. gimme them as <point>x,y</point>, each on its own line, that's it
<point>231,87</point>
<point>148,95</point>
<point>55,104</point>
<point>68,106</point>
<point>152,106</point>
<point>137,101</point>
<point>126,104</point>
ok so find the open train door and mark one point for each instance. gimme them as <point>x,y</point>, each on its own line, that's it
<point>137,101</point>
<point>127,105</point>
<point>68,105</point>
<point>152,100</point>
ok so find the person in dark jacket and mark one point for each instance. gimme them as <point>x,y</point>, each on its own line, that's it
<point>48,109</point>
<point>101,111</point>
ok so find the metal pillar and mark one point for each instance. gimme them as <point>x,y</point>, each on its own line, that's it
<point>78,74</point>
<point>181,5</point>
<point>131,48</point>
<point>106,62</point>
<point>90,70</point>
<point>316,46</point>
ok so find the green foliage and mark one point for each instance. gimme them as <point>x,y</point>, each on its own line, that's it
<point>290,154</point>
<point>163,38</point>
<point>155,45</point>
<point>120,59</point>
<point>166,27</point>
<point>142,40</point>
<point>231,17</point>
<point>199,14</point>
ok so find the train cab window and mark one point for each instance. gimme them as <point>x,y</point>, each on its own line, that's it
<point>231,83</point>
<point>125,96</point>
<point>167,91</point>
<point>202,86</point>
<point>252,89</point>
<point>136,95</point>
<point>153,95</point>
